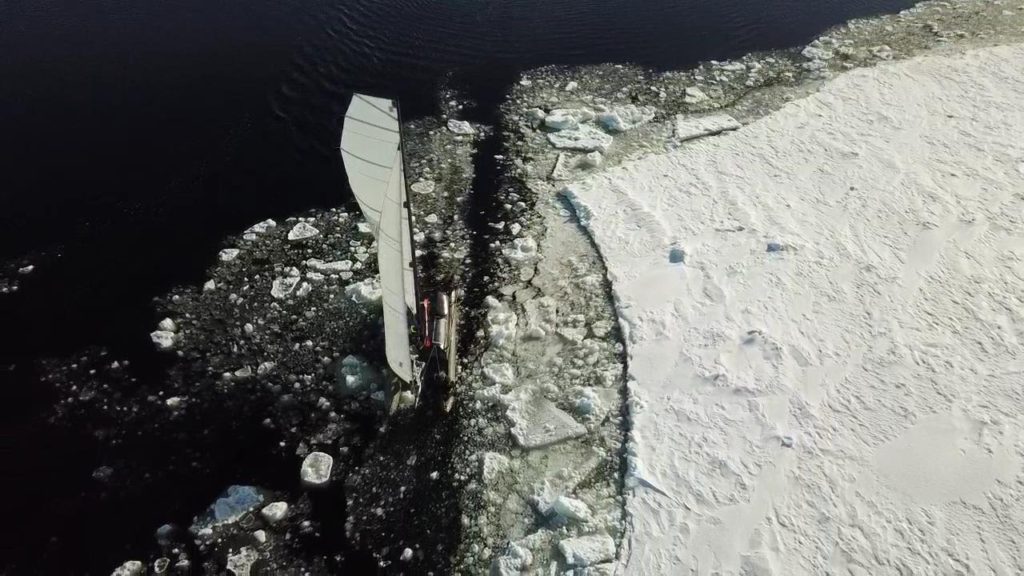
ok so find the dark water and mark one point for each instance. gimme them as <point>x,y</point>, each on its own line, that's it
<point>135,134</point>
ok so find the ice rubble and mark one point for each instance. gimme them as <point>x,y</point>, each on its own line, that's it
<point>316,468</point>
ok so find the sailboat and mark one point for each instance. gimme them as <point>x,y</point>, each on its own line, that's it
<point>419,332</point>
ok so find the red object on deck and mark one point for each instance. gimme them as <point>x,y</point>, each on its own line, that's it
<point>427,343</point>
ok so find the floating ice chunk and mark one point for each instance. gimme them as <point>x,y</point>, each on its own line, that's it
<point>261,227</point>
<point>423,186</point>
<point>559,120</point>
<point>160,565</point>
<point>590,160</point>
<point>260,536</point>
<point>587,550</point>
<point>304,289</point>
<point>164,339</point>
<point>354,374</point>
<point>571,85</point>
<point>689,127</point>
<point>500,373</point>
<point>622,118</point>
<point>522,251</point>
<point>243,373</point>
<point>26,269</point>
<point>561,170</point>
<point>430,218</point>
<point>282,287</point>
<point>514,561</point>
<point>571,509</point>
<point>329,267</point>
<point>882,52</point>
<point>585,139</point>
<point>501,323</point>
<point>567,118</point>
<point>234,503</point>
<point>535,117</point>
<point>366,292</point>
<point>209,285</point>
<point>174,402</point>
<point>406,555</point>
<point>240,564</point>
<point>167,325</point>
<point>537,422</point>
<point>588,403</point>
<point>364,228</point>
<point>229,254</point>
<point>461,127</point>
<point>492,466</point>
<point>130,568</point>
<point>694,95</point>
<point>274,512</point>
<point>316,468</point>
<point>301,231</point>
<point>815,51</point>
<point>264,367</point>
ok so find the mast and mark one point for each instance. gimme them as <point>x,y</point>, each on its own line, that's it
<point>371,149</point>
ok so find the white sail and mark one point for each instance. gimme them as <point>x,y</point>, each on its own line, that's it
<point>372,153</point>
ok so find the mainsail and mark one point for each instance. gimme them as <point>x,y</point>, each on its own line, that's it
<point>371,148</point>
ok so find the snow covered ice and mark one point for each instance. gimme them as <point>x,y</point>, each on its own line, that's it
<point>824,396</point>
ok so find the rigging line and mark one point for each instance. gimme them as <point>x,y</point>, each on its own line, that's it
<point>368,123</point>
<point>358,157</point>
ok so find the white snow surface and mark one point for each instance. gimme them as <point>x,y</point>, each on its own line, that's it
<point>850,404</point>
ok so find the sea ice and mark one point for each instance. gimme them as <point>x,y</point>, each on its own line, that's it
<point>522,251</point>
<point>622,118</point>
<point>587,550</point>
<point>536,422</point>
<point>366,292</point>
<point>571,509</point>
<point>329,267</point>
<point>690,127</point>
<point>461,127</point>
<point>130,568</point>
<point>240,564</point>
<point>229,254</point>
<point>316,468</point>
<point>282,287</point>
<point>261,227</point>
<point>586,138</point>
<point>423,186</point>
<point>493,466</point>
<point>274,512</point>
<point>515,560</point>
<point>694,95</point>
<point>301,231</point>
<point>164,339</point>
